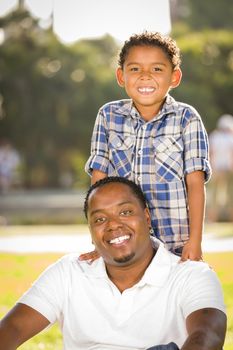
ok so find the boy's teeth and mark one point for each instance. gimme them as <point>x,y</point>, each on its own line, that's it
<point>119,240</point>
<point>146,89</point>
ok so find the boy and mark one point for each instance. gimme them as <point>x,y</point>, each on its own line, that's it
<point>159,143</point>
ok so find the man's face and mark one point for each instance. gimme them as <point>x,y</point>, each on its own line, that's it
<point>119,224</point>
<point>147,76</point>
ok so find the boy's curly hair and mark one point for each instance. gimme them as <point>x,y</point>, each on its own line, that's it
<point>166,43</point>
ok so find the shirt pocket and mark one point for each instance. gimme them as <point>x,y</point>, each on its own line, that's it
<point>121,154</point>
<point>169,164</point>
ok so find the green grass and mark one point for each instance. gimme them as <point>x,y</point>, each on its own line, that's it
<point>222,264</point>
<point>220,229</point>
<point>18,271</point>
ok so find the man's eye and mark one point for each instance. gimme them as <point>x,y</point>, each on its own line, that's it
<point>99,220</point>
<point>126,212</point>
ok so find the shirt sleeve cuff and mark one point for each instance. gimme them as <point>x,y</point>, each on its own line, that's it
<point>195,164</point>
<point>36,304</point>
<point>97,162</point>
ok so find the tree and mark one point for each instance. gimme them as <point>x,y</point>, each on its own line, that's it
<point>205,37</point>
<point>50,96</point>
<point>199,14</point>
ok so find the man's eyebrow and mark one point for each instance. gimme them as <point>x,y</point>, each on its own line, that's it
<point>92,212</point>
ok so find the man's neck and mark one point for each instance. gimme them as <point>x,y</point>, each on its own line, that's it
<point>125,277</point>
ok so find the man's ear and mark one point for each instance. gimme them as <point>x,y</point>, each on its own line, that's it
<point>176,78</point>
<point>120,77</point>
<point>148,218</point>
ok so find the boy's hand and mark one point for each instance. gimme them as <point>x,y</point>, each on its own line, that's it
<point>89,256</point>
<point>191,251</point>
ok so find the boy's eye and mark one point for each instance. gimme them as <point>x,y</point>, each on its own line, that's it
<point>134,69</point>
<point>157,69</point>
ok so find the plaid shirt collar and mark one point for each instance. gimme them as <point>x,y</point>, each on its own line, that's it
<point>128,109</point>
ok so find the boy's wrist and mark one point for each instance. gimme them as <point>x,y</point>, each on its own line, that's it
<point>195,240</point>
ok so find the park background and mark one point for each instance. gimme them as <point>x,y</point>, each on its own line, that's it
<point>50,92</point>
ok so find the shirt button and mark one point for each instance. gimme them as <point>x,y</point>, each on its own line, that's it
<point>144,127</point>
<point>139,178</point>
<point>139,151</point>
<point>118,144</point>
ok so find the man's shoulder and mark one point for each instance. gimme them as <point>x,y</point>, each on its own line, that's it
<point>71,264</point>
<point>189,266</point>
<point>193,270</point>
<point>66,261</point>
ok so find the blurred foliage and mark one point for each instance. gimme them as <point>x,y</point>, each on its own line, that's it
<point>50,93</point>
<point>50,96</point>
<point>207,67</point>
<point>201,14</point>
<point>204,33</point>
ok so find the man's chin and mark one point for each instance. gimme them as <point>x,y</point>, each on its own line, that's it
<point>124,259</point>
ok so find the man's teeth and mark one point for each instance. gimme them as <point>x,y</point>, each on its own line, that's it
<point>146,89</point>
<point>119,240</point>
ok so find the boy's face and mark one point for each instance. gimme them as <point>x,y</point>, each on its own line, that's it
<point>147,76</point>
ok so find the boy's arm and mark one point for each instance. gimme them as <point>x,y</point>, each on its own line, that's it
<point>206,330</point>
<point>19,325</point>
<point>97,175</point>
<point>196,203</point>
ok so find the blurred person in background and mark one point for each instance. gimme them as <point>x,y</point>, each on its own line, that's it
<point>9,164</point>
<point>221,158</point>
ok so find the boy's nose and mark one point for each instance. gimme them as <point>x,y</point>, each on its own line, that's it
<point>146,75</point>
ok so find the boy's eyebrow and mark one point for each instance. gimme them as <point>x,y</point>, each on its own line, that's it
<point>100,210</point>
<point>138,63</point>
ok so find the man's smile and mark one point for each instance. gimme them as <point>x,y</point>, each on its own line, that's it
<point>119,240</point>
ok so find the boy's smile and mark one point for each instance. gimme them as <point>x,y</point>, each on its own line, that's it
<point>147,77</point>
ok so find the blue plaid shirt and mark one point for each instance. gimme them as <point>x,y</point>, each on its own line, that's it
<point>157,155</point>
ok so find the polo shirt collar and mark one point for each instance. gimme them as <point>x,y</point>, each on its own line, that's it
<point>159,269</point>
<point>156,274</point>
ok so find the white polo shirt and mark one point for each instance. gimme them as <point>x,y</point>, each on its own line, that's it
<point>93,314</point>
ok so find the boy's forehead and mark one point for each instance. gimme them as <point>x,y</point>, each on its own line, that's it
<point>142,51</point>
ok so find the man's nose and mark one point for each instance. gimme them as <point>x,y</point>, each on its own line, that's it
<point>114,223</point>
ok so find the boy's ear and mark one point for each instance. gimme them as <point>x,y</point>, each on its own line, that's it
<point>176,78</point>
<point>120,77</point>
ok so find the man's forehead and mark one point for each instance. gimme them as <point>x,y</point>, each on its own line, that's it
<point>112,192</point>
<point>113,188</point>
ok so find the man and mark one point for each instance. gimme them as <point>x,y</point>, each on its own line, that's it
<point>135,296</point>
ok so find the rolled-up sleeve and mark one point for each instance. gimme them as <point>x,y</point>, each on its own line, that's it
<point>99,158</point>
<point>196,155</point>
